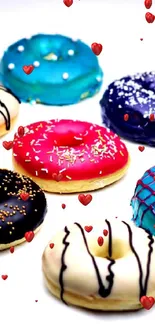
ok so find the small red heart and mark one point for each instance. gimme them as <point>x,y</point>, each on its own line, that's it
<point>7,145</point>
<point>147,302</point>
<point>105,232</point>
<point>29,235</point>
<point>51,245</point>
<point>63,205</point>
<point>85,199</point>
<point>100,241</point>
<point>4,277</point>
<point>96,48</point>
<point>24,196</point>
<point>57,177</point>
<point>36,300</point>
<point>141,148</point>
<point>149,17</point>
<point>88,228</point>
<point>20,131</point>
<point>28,68</point>
<point>126,117</point>
<point>141,39</point>
<point>12,249</point>
<point>68,3</point>
<point>152,117</point>
<point>148,4</point>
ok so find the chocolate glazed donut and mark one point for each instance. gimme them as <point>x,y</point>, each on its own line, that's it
<point>135,96</point>
<point>18,216</point>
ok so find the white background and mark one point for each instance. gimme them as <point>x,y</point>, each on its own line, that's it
<point>118,25</point>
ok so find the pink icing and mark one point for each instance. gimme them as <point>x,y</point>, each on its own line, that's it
<point>76,150</point>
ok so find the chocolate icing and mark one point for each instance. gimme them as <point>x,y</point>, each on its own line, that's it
<point>135,96</point>
<point>18,216</point>
<point>102,291</point>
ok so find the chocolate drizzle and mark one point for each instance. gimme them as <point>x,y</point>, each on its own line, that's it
<point>63,265</point>
<point>7,117</point>
<point>142,286</point>
<point>102,291</point>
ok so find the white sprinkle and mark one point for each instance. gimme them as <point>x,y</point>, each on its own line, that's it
<point>71,52</point>
<point>11,66</point>
<point>36,173</point>
<point>27,154</point>
<point>36,158</point>
<point>100,172</point>
<point>36,64</point>
<point>20,48</point>
<point>44,170</point>
<point>98,78</point>
<point>62,170</point>
<point>65,76</point>
<point>14,154</point>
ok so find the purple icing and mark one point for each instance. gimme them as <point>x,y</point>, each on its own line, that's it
<point>135,96</point>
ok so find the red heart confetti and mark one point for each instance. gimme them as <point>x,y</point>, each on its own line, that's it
<point>141,148</point>
<point>85,199</point>
<point>28,68</point>
<point>148,4</point>
<point>147,302</point>
<point>88,228</point>
<point>12,249</point>
<point>7,145</point>
<point>126,117</point>
<point>149,17</point>
<point>68,3</point>
<point>4,277</point>
<point>152,117</point>
<point>24,196</point>
<point>63,205</point>
<point>96,48</point>
<point>105,232</point>
<point>57,177</point>
<point>29,235</point>
<point>141,39</point>
<point>51,245</point>
<point>21,131</point>
<point>36,300</point>
<point>100,241</point>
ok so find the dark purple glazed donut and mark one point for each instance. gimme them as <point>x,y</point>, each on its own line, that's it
<point>17,215</point>
<point>135,96</point>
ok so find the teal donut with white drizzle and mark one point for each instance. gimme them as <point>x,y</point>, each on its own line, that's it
<point>65,71</point>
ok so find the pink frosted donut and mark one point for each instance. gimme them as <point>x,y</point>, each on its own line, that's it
<point>65,156</point>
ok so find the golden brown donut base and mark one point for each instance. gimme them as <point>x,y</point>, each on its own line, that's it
<point>3,130</point>
<point>73,186</point>
<point>92,302</point>
<point>16,242</point>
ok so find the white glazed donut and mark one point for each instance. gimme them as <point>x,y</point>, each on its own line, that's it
<point>9,108</point>
<point>113,276</point>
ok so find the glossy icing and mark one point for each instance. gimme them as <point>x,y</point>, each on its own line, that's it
<point>66,71</point>
<point>9,107</point>
<point>143,202</point>
<point>135,96</point>
<point>18,216</point>
<point>73,149</point>
<point>105,271</point>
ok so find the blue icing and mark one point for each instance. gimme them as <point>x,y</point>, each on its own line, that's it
<point>72,73</point>
<point>135,96</point>
<point>143,202</point>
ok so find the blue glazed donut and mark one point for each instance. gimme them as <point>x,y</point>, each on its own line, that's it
<point>65,72</point>
<point>135,96</point>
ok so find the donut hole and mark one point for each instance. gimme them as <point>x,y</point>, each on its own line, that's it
<point>68,139</point>
<point>119,249</point>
